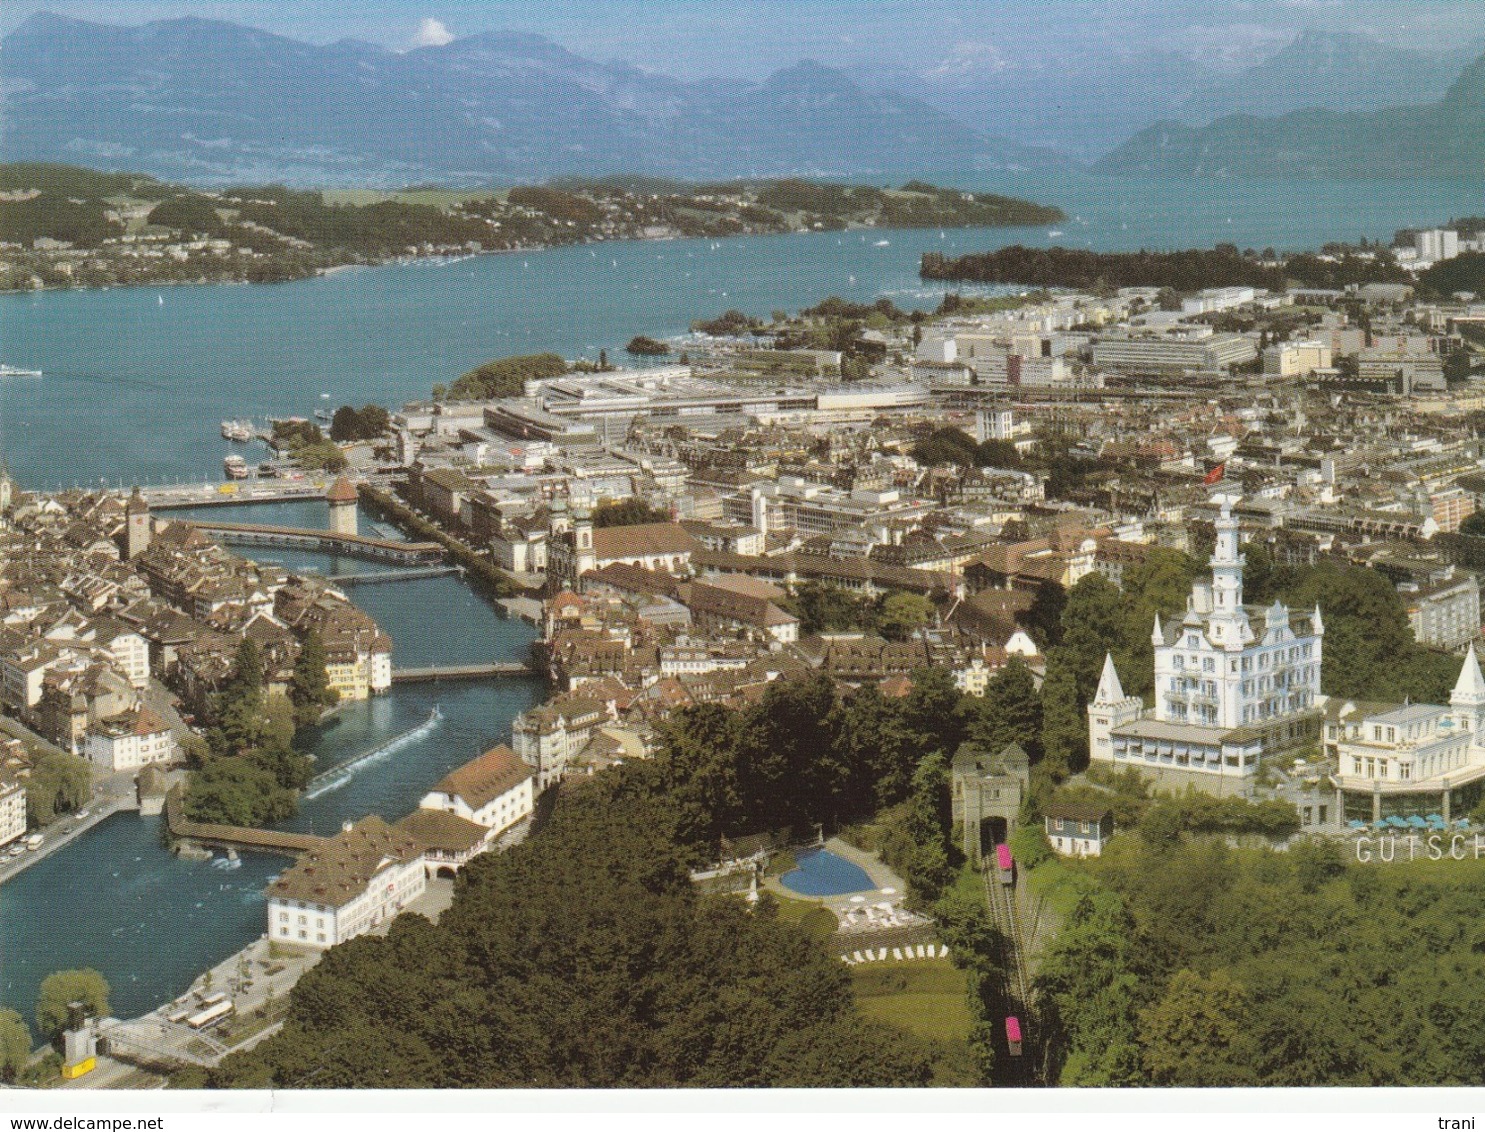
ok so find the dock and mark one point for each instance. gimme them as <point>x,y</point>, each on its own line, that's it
<point>460,672</point>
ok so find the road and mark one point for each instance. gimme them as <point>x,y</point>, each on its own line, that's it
<point>111,793</point>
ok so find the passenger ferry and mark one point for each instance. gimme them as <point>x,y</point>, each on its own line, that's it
<point>241,431</point>
<point>235,468</point>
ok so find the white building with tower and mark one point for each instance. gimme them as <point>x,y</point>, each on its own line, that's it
<point>1233,685</point>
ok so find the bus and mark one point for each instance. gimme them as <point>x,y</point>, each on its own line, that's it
<point>1013,1035</point>
<point>210,1016</point>
<point>1005,867</point>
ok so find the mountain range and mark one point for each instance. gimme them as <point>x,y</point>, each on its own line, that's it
<point>206,102</point>
<point>1443,138</point>
<point>1087,106</point>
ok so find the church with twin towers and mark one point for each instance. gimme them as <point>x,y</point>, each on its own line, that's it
<point>1237,689</point>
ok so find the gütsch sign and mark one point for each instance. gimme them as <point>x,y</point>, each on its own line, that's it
<point>1413,847</point>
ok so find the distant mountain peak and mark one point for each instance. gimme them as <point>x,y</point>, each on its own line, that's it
<point>214,102</point>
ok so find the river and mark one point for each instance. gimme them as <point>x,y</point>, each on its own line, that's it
<point>137,379</point>
<point>117,901</point>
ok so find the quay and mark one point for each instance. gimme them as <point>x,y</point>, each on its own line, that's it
<point>170,497</point>
<point>326,542</point>
<point>63,831</point>
<point>232,836</point>
<point>460,672</point>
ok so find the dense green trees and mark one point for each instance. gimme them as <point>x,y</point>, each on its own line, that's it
<point>61,989</point>
<point>1180,271</point>
<point>628,513</point>
<point>644,346</point>
<point>506,377</point>
<point>309,690</point>
<point>901,614</point>
<point>951,445</point>
<point>581,959</point>
<point>1187,962</point>
<point>190,215</point>
<point>822,607</point>
<point>366,423</point>
<point>15,1044</point>
<point>59,784</point>
<point>252,774</point>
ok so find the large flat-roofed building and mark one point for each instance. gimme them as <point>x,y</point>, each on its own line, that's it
<point>1446,614</point>
<point>1172,355</point>
<point>1233,685</point>
<point>354,882</point>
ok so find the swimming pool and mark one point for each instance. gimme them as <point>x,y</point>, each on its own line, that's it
<point>822,873</point>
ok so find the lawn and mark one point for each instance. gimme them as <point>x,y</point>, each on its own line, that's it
<point>927,997</point>
<point>818,920</point>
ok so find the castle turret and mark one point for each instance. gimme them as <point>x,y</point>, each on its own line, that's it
<point>1109,708</point>
<point>1468,697</point>
<point>342,498</point>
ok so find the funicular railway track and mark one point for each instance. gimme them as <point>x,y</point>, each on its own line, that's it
<point>1021,1068</point>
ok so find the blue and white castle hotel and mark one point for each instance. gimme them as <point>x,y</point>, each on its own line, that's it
<point>1239,686</point>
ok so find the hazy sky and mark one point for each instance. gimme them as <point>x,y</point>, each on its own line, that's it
<point>690,38</point>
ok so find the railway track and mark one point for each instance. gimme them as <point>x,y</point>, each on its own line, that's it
<point>1016,980</point>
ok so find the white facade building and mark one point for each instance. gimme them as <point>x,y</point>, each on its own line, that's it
<point>12,810</point>
<point>495,790</point>
<point>357,880</point>
<point>130,741</point>
<point>1232,685</point>
<point>1410,756</point>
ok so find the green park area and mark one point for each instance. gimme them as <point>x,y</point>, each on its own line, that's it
<point>927,997</point>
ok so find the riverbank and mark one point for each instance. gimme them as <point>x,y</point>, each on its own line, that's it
<point>63,832</point>
<point>502,582</point>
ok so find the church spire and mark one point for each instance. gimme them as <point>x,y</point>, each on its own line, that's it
<point>1157,634</point>
<point>1110,691</point>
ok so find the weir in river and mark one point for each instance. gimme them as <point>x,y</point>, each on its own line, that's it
<point>338,776</point>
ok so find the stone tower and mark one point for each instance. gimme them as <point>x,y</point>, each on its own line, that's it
<point>342,499</point>
<point>583,556</point>
<point>137,529</point>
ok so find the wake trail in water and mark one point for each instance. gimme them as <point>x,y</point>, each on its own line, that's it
<point>337,777</point>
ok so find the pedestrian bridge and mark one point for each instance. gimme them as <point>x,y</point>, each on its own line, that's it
<point>212,836</point>
<point>328,542</point>
<point>460,672</point>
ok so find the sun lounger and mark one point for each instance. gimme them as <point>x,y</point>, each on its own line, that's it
<point>922,952</point>
<point>881,953</point>
<point>897,953</point>
<point>943,951</point>
<point>856,955</point>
